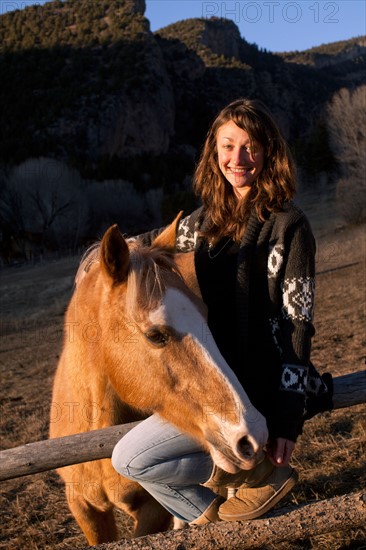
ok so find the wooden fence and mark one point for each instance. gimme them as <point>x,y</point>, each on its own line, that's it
<point>46,455</point>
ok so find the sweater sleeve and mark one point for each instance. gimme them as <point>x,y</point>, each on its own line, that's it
<point>296,328</point>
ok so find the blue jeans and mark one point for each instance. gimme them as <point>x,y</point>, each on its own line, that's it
<point>168,464</point>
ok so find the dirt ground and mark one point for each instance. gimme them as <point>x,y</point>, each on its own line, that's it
<point>330,455</point>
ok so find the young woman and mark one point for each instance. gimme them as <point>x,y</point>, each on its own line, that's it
<point>254,258</point>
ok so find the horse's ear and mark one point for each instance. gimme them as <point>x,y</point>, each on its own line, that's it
<point>167,238</point>
<point>114,254</point>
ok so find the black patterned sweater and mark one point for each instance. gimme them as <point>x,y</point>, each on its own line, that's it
<point>273,312</point>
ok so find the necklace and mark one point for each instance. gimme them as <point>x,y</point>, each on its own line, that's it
<point>211,247</point>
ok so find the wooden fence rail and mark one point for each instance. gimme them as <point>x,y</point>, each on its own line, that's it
<point>46,455</point>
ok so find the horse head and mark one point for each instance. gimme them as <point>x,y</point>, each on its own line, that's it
<point>164,359</point>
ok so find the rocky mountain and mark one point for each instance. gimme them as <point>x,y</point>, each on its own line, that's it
<point>87,82</point>
<point>331,55</point>
<point>83,80</point>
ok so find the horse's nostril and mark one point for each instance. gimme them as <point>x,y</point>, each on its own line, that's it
<point>245,448</point>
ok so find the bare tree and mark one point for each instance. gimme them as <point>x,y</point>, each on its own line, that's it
<point>50,206</point>
<point>347,129</point>
<point>43,202</point>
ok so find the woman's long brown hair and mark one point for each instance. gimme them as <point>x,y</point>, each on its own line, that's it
<point>275,184</point>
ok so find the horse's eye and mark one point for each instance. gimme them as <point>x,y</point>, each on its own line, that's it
<point>157,337</point>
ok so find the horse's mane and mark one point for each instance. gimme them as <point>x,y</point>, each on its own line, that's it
<point>146,271</point>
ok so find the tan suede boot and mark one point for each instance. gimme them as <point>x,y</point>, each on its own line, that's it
<point>219,478</point>
<point>210,515</point>
<point>267,485</point>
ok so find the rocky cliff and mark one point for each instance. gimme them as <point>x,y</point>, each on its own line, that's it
<point>96,86</point>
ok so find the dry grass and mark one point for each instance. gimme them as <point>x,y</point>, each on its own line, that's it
<point>330,456</point>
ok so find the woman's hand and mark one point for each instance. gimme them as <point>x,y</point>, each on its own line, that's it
<point>280,451</point>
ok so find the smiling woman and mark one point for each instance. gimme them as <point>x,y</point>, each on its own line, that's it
<point>245,133</point>
<point>254,260</point>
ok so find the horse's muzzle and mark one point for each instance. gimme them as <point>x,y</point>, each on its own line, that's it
<point>246,452</point>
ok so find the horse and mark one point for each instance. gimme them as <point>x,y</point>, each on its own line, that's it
<point>136,342</point>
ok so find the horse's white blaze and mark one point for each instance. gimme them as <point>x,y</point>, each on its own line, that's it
<point>178,312</point>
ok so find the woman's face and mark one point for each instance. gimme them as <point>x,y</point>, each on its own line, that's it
<point>239,161</point>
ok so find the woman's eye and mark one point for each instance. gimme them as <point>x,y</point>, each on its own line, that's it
<point>157,337</point>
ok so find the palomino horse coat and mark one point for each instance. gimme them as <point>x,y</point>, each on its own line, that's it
<point>136,342</point>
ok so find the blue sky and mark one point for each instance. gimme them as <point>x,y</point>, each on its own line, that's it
<point>277,25</point>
